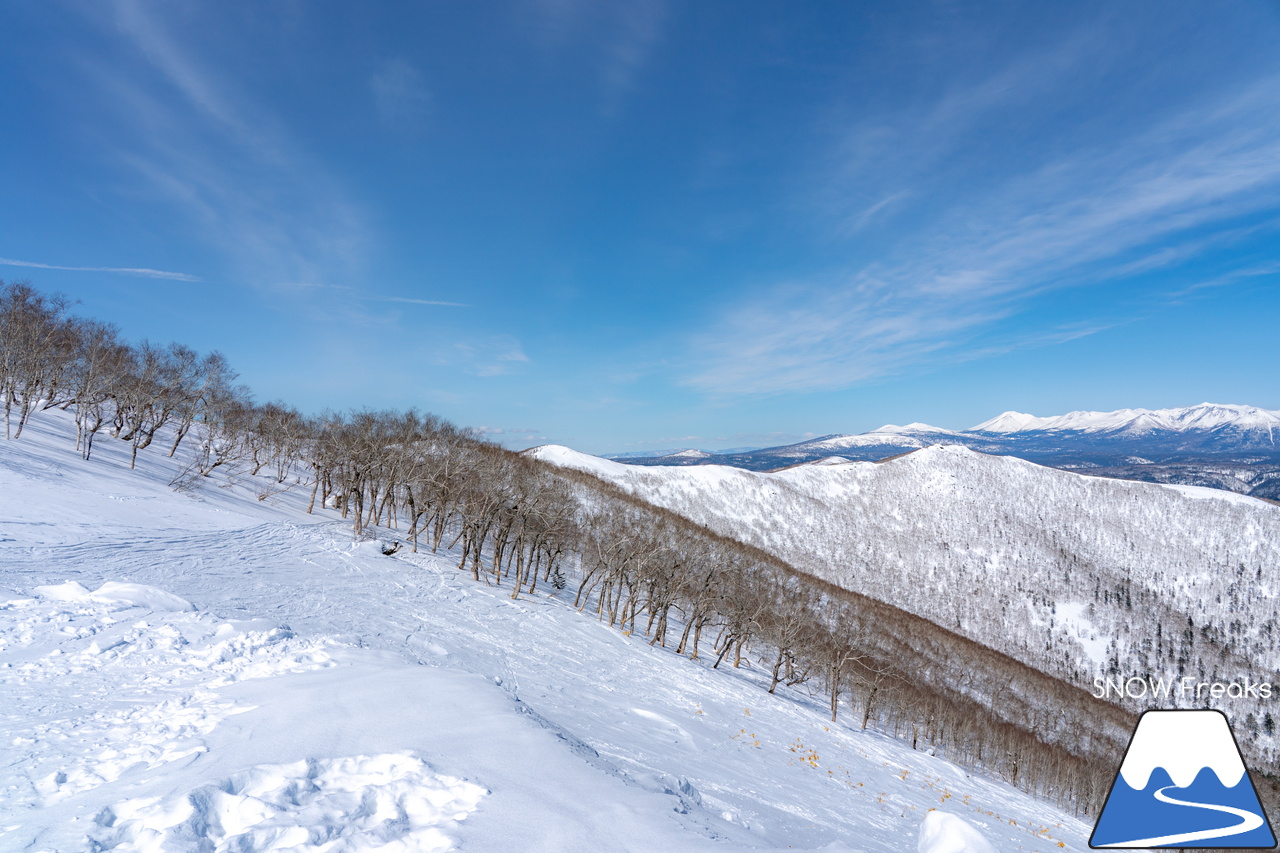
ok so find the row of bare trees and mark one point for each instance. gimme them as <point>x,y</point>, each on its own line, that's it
<point>516,522</point>
<point>50,359</point>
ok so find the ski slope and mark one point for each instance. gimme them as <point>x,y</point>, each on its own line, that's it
<point>217,672</point>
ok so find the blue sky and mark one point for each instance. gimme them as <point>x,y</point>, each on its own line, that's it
<point>654,225</point>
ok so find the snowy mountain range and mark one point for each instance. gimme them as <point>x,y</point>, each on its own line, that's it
<point>1231,447</point>
<point>1251,424</point>
<point>1080,577</point>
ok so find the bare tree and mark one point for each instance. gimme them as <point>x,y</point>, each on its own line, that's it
<point>37,348</point>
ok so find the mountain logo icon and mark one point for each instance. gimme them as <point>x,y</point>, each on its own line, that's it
<point>1182,783</point>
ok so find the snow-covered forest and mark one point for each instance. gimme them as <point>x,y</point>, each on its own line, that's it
<point>1081,577</point>
<point>692,579</point>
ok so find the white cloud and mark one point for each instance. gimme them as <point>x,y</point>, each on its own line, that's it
<point>400,94</point>
<point>230,169</point>
<point>409,300</point>
<point>495,355</point>
<point>1078,217</point>
<point>621,36</point>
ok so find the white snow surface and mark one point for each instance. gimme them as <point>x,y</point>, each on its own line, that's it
<point>219,673</point>
<point>1206,494</point>
<point>113,592</point>
<point>942,832</point>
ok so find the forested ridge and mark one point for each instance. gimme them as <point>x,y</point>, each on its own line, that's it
<point>1077,576</point>
<point>525,525</point>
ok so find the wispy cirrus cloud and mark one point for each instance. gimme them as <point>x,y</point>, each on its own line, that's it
<point>484,356</point>
<point>1266,272</point>
<point>365,296</point>
<point>409,300</point>
<point>199,142</point>
<point>400,94</point>
<point>622,38</point>
<point>137,271</point>
<point>1090,214</point>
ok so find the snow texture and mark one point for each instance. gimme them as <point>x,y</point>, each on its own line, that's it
<point>381,802</point>
<point>945,833</point>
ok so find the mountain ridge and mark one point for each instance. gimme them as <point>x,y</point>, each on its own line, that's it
<point>1232,447</point>
<point>1079,576</point>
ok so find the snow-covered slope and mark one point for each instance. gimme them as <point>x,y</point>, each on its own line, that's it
<point>404,706</point>
<point>1075,575</point>
<point>887,439</point>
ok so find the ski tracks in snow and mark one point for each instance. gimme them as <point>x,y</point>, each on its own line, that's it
<point>94,689</point>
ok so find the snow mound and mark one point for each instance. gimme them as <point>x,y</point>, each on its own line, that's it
<point>69,591</point>
<point>390,802</point>
<point>942,832</point>
<point>114,592</point>
<point>140,595</point>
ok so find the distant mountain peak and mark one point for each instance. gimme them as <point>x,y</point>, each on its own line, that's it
<point>909,428</point>
<point>1009,422</point>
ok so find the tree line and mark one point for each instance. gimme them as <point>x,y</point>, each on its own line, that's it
<point>521,524</point>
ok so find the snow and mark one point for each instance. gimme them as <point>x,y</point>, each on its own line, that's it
<point>946,833</point>
<point>1206,416</point>
<point>1203,493</point>
<point>912,427</point>
<point>568,458</point>
<point>867,439</point>
<point>114,592</point>
<point>1071,616</point>
<point>68,591</point>
<point>314,694</point>
<point>387,802</point>
<point>1010,422</point>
